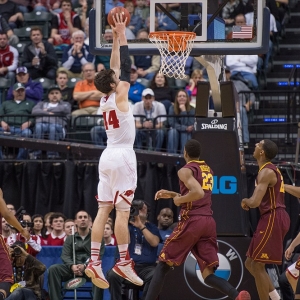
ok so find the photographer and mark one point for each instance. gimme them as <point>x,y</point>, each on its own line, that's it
<point>6,273</point>
<point>144,239</point>
<point>27,274</point>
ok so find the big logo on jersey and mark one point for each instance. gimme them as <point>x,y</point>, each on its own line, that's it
<point>230,268</point>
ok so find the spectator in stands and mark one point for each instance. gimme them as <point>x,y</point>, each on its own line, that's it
<point>136,88</point>
<point>180,128</point>
<point>11,208</point>
<point>98,133</point>
<point>246,101</point>
<point>9,58</point>
<point>142,10</point>
<point>68,227</point>
<point>162,92</point>
<point>17,125</point>
<point>66,92</point>
<point>57,235</point>
<point>230,10</point>
<point>63,25</point>
<point>244,66</point>
<point>136,23</point>
<point>86,94</point>
<point>23,5</point>
<point>39,56</point>
<point>76,55</point>
<point>149,127</point>
<point>110,4</point>
<point>47,222</point>
<point>6,230</point>
<point>11,13</point>
<point>164,22</point>
<point>33,90</point>
<point>109,240</point>
<point>59,273</point>
<point>144,240</point>
<point>28,270</point>
<point>52,119</point>
<point>164,221</point>
<point>147,24</point>
<point>4,27</point>
<point>147,65</point>
<point>38,228</point>
<point>103,62</point>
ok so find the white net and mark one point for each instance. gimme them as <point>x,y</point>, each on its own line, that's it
<point>174,48</point>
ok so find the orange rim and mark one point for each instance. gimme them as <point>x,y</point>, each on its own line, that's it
<point>177,40</point>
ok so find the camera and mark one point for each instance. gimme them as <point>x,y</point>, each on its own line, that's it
<point>135,207</point>
<point>17,251</point>
<point>26,224</point>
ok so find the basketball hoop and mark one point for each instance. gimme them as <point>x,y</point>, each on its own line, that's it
<point>174,48</point>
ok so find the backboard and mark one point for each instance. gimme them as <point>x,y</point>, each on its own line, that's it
<point>213,36</point>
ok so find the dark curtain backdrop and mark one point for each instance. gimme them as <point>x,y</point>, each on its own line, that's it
<point>41,187</point>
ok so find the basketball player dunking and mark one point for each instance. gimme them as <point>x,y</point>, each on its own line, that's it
<point>196,230</point>
<point>117,165</point>
<point>266,246</point>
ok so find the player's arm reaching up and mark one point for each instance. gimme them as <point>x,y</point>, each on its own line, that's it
<point>120,60</point>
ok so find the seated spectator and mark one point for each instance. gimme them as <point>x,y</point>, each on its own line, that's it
<point>162,92</point>
<point>9,59</point>
<point>63,25</point>
<point>144,240</point>
<point>230,11</point>
<point>11,208</point>
<point>62,79</point>
<point>109,240</point>
<point>47,222</point>
<point>52,119</point>
<point>47,5</point>
<point>57,235</point>
<point>12,38</point>
<point>33,90</point>
<point>76,55</point>
<point>86,94</point>
<point>17,125</point>
<point>164,221</point>
<point>68,227</point>
<point>136,88</point>
<point>147,65</point>
<point>11,13</point>
<point>59,273</point>
<point>24,5</point>
<point>6,231</point>
<point>164,22</point>
<point>39,57</point>
<point>145,128</point>
<point>142,10</point>
<point>27,270</point>
<point>244,66</point>
<point>180,128</point>
<point>136,23</point>
<point>246,101</point>
<point>38,230</point>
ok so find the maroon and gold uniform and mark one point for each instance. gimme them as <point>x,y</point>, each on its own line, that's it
<point>196,230</point>
<point>6,274</point>
<point>273,224</point>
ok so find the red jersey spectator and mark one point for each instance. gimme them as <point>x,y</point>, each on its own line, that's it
<point>57,236</point>
<point>64,24</point>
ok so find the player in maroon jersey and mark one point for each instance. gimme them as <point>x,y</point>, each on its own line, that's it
<point>266,246</point>
<point>6,272</point>
<point>196,230</point>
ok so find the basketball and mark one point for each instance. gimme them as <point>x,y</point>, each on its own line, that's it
<point>118,10</point>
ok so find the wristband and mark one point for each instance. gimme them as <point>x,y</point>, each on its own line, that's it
<point>143,228</point>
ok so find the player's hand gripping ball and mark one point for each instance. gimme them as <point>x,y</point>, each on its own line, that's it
<point>121,11</point>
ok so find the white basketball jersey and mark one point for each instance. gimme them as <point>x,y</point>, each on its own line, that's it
<point>119,126</point>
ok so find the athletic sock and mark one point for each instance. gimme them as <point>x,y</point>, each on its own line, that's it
<point>274,295</point>
<point>221,285</point>
<point>157,280</point>
<point>123,251</point>
<point>95,250</point>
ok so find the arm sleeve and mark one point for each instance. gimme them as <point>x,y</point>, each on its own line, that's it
<point>26,61</point>
<point>67,255</point>
<point>77,22</point>
<point>54,22</point>
<point>39,268</point>
<point>125,64</point>
<point>38,109</point>
<point>4,25</point>
<point>35,92</point>
<point>51,57</point>
<point>14,65</point>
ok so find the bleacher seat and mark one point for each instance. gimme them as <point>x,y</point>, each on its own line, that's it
<point>20,47</point>
<point>72,81</point>
<point>50,255</point>
<point>23,33</point>
<point>39,18</point>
